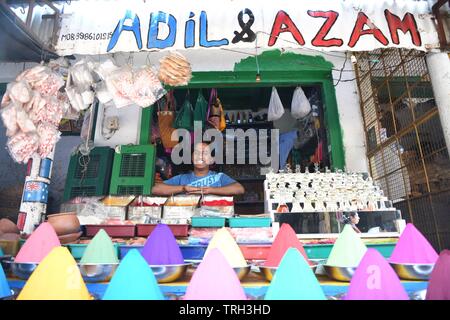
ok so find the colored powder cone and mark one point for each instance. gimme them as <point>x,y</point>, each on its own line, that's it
<point>161,247</point>
<point>348,249</point>
<point>413,247</point>
<point>439,283</point>
<point>214,279</point>
<point>133,280</point>
<point>5,290</point>
<point>294,280</point>
<point>100,250</point>
<point>285,239</point>
<point>225,242</point>
<point>1,252</point>
<point>56,278</point>
<point>374,279</point>
<point>38,245</point>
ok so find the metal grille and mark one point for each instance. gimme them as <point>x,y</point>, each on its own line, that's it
<point>133,165</point>
<point>93,162</point>
<point>130,190</point>
<point>82,191</point>
<point>406,149</point>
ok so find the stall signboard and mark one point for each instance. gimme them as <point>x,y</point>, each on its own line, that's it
<point>105,26</point>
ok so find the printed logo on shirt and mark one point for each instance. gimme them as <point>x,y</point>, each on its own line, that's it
<point>208,181</point>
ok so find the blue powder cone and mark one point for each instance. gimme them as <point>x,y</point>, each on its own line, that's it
<point>133,280</point>
<point>5,290</point>
<point>294,280</point>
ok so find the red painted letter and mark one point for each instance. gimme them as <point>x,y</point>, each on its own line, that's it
<point>408,24</point>
<point>358,31</point>
<point>281,19</point>
<point>319,40</point>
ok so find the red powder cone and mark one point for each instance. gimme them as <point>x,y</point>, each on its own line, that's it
<point>285,239</point>
<point>439,284</point>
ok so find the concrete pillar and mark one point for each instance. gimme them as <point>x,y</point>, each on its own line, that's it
<point>439,70</point>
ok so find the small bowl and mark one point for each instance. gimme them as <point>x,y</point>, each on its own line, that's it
<point>242,272</point>
<point>97,272</point>
<point>340,273</point>
<point>22,270</point>
<point>269,272</point>
<point>413,271</point>
<point>169,273</point>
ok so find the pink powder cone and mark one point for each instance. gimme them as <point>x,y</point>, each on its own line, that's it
<point>38,245</point>
<point>214,279</point>
<point>374,279</point>
<point>413,247</point>
<point>285,239</point>
<point>439,284</point>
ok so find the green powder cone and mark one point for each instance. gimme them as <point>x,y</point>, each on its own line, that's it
<point>348,250</point>
<point>100,250</point>
<point>294,280</point>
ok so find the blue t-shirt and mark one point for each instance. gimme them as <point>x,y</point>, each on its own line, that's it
<point>212,179</point>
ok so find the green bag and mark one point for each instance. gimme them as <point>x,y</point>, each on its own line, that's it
<point>201,108</point>
<point>185,117</point>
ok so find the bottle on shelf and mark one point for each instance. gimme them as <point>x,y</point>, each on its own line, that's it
<point>232,118</point>
<point>238,118</point>
<point>250,117</point>
<point>227,119</point>
<point>244,117</point>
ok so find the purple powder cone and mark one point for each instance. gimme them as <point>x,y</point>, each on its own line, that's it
<point>439,284</point>
<point>161,247</point>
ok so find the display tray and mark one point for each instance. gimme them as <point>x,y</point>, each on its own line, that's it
<point>77,249</point>
<point>126,231</point>
<point>189,252</point>
<point>241,222</point>
<point>178,230</point>
<point>208,222</point>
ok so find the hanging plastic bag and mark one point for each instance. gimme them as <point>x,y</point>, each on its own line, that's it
<point>19,91</point>
<point>22,146</point>
<point>276,109</point>
<point>9,117</point>
<point>165,121</point>
<point>147,88</point>
<point>185,116</point>
<point>48,137</point>
<point>300,106</point>
<point>201,108</point>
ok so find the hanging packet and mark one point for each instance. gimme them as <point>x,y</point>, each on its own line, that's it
<point>300,106</point>
<point>276,109</point>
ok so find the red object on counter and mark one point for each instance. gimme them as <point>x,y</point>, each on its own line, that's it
<point>112,230</point>
<point>217,203</point>
<point>178,230</point>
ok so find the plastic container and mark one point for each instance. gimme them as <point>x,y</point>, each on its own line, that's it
<point>77,249</point>
<point>322,251</point>
<point>255,252</point>
<point>178,230</point>
<point>112,230</point>
<point>249,222</point>
<point>189,252</point>
<point>10,247</point>
<point>208,222</point>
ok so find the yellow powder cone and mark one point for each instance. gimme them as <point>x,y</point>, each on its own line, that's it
<point>56,278</point>
<point>225,242</point>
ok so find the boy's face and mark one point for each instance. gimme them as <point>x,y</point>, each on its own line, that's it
<point>202,156</point>
<point>355,219</point>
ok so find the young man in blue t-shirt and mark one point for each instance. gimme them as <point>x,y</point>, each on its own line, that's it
<point>201,180</point>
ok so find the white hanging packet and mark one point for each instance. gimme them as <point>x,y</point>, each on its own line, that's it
<point>300,106</point>
<point>276,109</point>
